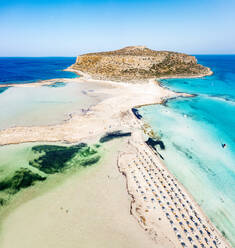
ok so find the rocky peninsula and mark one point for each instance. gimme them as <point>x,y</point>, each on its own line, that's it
<point>138,63</point>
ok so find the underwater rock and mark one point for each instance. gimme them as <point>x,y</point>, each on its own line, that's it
<point>113,135</point>
<point>136,113</point>
<point>151,142</point>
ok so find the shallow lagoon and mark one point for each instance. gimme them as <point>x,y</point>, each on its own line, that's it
<point>25,165</point>
<point>46,105</point>
<point>68,210</point>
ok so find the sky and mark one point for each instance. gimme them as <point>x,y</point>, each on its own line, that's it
<point>73,27</point>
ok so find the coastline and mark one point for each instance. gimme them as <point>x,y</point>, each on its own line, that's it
<point>120,93</point>
<point>120,117</point>
<point>160,162</point>
<point>38,83</point>
<point>187,76</point>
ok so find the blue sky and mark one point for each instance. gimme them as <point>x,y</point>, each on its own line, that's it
<point>69,28</point>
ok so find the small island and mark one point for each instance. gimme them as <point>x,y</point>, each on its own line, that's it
<point>138,63</point>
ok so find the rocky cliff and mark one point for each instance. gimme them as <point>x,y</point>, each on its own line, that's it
<point>138,63</point>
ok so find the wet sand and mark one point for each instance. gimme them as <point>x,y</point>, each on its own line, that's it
<point>161,204</point>
<point>46,104</point>
<point>109,114</point>
<point>141,167</point>
<point>90,209</point>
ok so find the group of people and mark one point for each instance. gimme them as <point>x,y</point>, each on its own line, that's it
<point>164,190</point>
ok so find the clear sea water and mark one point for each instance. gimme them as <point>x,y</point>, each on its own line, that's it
<point>194,129</point>
<point>44,105</point>
<point>27,70</point>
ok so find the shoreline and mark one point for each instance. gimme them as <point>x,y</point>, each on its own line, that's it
<point>126,122</point>
<point>198,208</point>
<point>129,89</point>
<point>38,83</point>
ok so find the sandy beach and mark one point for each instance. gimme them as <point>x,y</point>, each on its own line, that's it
<point>166,214</point>
<point>106,116</point>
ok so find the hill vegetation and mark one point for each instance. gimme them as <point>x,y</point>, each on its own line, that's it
<point>138,63</point>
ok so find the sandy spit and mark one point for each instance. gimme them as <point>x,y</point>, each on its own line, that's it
<point>160,204</point>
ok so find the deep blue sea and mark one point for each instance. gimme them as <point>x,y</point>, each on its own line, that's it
<point>194,131</point>
<point>27,70</point>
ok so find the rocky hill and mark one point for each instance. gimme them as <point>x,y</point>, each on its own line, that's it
<point>138,63</point>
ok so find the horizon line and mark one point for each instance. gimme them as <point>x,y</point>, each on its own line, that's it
<point>61,56</point>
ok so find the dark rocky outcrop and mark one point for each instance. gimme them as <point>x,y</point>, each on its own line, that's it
<point>151,142</point>
<point>136,113</point>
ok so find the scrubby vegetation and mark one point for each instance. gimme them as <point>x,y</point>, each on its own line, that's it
<point>138,63</point>
<point>112,135</point>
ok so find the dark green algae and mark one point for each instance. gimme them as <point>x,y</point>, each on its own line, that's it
<point>47,160</point>
<point>22,178</point>
<point>114,135</point>
<point>54,159</point>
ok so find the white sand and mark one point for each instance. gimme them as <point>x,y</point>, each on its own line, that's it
<point>161,205</point>
<point>107,115</point>
<point>98,207</point>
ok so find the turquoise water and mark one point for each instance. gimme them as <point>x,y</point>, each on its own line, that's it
<point>193,131</point>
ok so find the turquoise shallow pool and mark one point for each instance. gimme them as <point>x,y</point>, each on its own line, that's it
<point>194,129</point>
